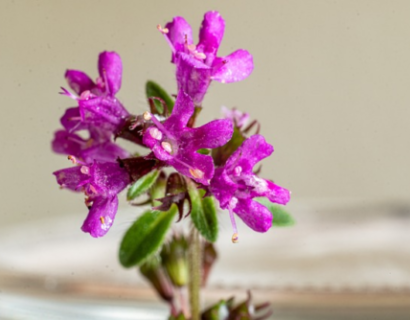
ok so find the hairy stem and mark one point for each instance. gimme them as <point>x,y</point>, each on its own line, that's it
<point>195,270</point>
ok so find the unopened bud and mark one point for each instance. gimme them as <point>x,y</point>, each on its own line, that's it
<point>156,275</point>
<point>174,258</point>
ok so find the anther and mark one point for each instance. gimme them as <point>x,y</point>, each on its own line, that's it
<point>155,133</point>
<point>85,170</point>
<point>167,146</point>
<point>93,190</point>
<point>162,30</point>
<point>238,170</point>
<point>196,173</point>
<point>147,116</point>
<point>200,55</point>
<point>235,238</point>
<point>72,159</point>
<point>102,220</point>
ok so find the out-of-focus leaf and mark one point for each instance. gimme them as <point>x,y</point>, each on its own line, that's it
<point>145,236</point>
<point>281,218</point>
<point>153,89</point>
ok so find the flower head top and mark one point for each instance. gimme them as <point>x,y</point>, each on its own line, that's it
<point>198,64</point>
<point>235,185</point>
<point>97,104</point>
<point>176,144</point>
<point>100,182</point>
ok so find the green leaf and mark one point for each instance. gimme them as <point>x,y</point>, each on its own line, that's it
<point>203,212</point>
<point>281,218</point>
<point>145,236</point>
<point>142,185</point>
<point>153,89</point>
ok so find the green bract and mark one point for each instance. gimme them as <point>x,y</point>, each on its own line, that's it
<point>142,185</point>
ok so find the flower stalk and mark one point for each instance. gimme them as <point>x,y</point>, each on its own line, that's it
<point>195,273</point>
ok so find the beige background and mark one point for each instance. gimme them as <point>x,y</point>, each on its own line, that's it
<point>330,88</point>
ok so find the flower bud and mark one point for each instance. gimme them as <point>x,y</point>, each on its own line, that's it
<point>174,258</point>
<point>156,275</point>
<point>209,256</point>
<point>217,311</point>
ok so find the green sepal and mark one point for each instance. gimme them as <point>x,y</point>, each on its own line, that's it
<point>281,218</point>
<point>204,151</point>
<point>153,89</point>
<point>145,236</point>
<point>203,212</point>
<point>142,185</point>
<point>221,154</point>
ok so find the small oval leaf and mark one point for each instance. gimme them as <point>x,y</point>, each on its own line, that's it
<point>142,185</point>
<point>203,212</point>
<point>153,89</point>
<point>145,236</point>
<point>281,218</point>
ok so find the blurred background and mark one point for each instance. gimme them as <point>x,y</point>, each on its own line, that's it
<point>331,91</point>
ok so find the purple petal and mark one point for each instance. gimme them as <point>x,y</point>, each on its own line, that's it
<point>67,143</point>
<point>193,77</point>
<point>103,111</point>
<point>110,69</point>
<point>223,187</point>
<point>79,81</point>
<point>179,34</point>
<point>211,135</point>
<point>104,152</point>
<point>235,67</point>
<point>252,150</point>
<point>211,34</point>
<point>182,112</point>
<point>70,178</point>
<point>154,145</point>
<point>238,117</point>
<point>71,120</point>
<point>187,163</point>
<point>101,216</point>
<point>256,216</point>
<point>108,178</point>
<point>274,193</point>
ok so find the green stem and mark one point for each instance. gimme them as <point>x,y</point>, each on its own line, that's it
<point>195,270</point>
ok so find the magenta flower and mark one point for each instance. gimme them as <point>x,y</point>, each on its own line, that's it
<point>197,65</point>
<point>100,182</point>
<point>87,150</point>
<point>176,144</point>
<point>235,185</point>
<point>239,118</point>
<point>97,104</point>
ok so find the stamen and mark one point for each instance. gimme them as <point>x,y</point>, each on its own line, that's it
<point>196,173</point>
<point>89,142</point>
<point>102,220</point>
<point>235,238</point>
<point>155,133</point>
<point>74,119</point>
<point>162,30</point>
<point>232,205</point>
<point>199,55</point>
<point>191,47</point>
<point>161,127</point>
<point>167,146</point>
<point>93,190</point>
<point>147,116</point>
<point>85,95</point>
<point>72,159</point>
<point>85,170</point>
<point>238,170</point>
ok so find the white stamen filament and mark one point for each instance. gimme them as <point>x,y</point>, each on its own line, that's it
<point>162,30</point>
<point>232,205</point>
